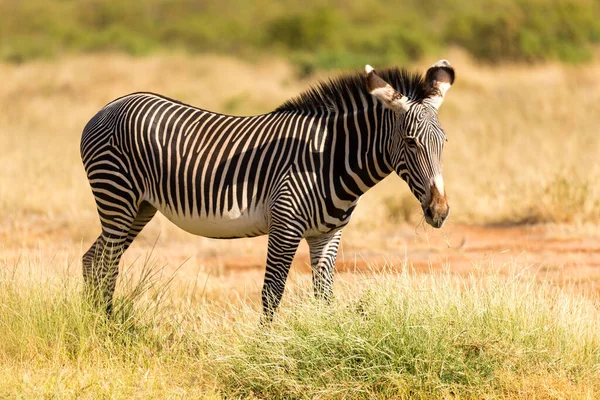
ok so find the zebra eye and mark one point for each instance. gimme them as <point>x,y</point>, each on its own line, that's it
<point>410,142</point>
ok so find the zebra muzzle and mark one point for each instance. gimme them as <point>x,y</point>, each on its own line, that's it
<point>436,209</point>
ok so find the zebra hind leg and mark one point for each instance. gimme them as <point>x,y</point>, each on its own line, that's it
<point>100,269</point>
<point>145,214</point>
<point>101,261</point>
<point>323,252</point>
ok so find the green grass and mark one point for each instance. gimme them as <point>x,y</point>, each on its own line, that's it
<point>385,336</point>
<point>314,33</point>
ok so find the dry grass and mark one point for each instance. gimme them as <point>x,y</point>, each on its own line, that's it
<point>386,336</point>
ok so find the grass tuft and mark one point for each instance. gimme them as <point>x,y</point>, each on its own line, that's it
<point>567,199</point>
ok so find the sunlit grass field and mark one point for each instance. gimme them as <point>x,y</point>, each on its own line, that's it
<point>386,335</point>
<point>523,149</point>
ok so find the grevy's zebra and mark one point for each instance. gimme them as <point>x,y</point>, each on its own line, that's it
<point>295,173</point>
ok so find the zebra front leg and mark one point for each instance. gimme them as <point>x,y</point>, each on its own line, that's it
<point>100,270</point>
<point>283,244</point>
<point>323,252</point>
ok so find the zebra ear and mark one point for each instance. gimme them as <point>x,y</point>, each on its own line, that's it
<point>439,78</point>
<point>384,92</point>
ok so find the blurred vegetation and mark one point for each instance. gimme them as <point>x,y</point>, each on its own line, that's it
<point>314,33</point>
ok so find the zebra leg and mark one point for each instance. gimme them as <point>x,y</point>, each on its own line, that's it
<point>101,261</point>
<point>145,214</point>
<point>282,246</point>
<point>101,267</point>
<point>323,252</point>
<point>89,262</point>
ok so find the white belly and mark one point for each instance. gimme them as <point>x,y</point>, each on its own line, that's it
<point>234,223</point>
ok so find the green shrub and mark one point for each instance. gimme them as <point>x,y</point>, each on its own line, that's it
<point>322,36</point>
<point>528,30</point>
<point>23,48</point>
<point>309,30</point>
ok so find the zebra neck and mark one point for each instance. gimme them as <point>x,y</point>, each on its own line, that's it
<point>359,143</point>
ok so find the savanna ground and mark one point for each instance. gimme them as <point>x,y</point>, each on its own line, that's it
<point>501,302</point>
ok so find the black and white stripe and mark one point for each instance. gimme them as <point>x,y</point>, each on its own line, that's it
<point>297,172</point>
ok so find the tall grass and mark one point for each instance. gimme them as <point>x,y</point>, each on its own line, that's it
<point>385,336</point>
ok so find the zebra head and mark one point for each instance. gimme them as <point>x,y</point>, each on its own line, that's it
<point>416,139</point>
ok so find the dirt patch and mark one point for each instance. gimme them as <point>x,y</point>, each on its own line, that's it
<point>565,255</point>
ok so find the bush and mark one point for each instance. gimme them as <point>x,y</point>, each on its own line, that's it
<point>309,30</point>
<point>22,48</point>
<point>520,30</point>
<point>528,31</point>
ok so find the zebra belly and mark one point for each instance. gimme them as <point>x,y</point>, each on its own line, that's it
<point>228,225</point>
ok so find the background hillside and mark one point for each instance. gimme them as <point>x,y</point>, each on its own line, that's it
<point>313,33</point>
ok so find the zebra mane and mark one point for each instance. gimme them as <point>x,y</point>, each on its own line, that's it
<point>330,94</point>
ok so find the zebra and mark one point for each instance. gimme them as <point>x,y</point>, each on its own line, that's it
<point>295,173</point>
